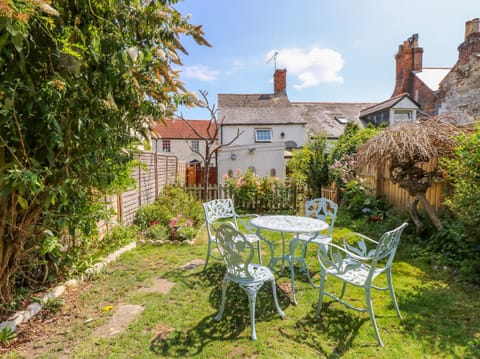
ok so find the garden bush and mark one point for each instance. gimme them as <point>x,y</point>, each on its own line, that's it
<point>451,246</point>
<point>259,194</point>
<point>174,215</point>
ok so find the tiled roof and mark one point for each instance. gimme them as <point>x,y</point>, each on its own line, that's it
<point>386,104</point>
<point>179,129</point>
<point>329,118</point>
<point>247,109</point>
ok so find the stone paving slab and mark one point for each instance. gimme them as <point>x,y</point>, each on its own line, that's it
<point>159,285</point>
<point>119,321</point>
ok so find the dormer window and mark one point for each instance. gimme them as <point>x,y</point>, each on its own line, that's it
<point>263,135</point>
<point>341,120</point>
<point>403,115</point>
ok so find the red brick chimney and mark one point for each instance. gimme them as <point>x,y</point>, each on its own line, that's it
<point>408,59</point>
<point>471,44</point>
<point>280,81</point>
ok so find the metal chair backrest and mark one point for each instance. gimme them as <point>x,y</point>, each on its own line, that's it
<point>387,246</point>
<point>218,209</point>
<point>322,208</point>
<point>237,252</point>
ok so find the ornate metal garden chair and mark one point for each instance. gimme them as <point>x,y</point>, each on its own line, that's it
<point>360,264</point>
<point>237,252</point>
<point>219,210</point>
<point>326,210</point>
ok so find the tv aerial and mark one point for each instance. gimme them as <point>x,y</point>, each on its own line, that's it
<point>274,59</point>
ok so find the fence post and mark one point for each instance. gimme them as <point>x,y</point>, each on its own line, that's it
<point>139,185</point>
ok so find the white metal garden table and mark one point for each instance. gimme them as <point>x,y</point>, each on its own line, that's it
<point>286,224</point>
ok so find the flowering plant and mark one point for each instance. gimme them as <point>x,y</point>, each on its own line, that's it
<point>182,228</point>
<point>342,171</point>
<point>250,191</point>
<point>243,186</point>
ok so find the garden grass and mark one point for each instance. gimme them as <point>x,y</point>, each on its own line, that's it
<point>441,317</point>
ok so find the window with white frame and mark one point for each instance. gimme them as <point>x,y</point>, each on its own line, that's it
<point>403,115</point>
<point>195,145</point>
<point>166,146</point>
<point>263,135</point>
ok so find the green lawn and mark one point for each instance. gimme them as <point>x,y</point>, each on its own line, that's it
<point>441,316</point>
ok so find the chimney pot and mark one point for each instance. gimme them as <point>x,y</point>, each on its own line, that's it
<point>471,44</point>
<point>472,27</point>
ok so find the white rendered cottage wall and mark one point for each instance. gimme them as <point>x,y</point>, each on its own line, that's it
<point>266,159</point>
<point>179,148</point>
<point>280,133</point>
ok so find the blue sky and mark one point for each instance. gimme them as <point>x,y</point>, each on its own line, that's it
<point>333,50</point>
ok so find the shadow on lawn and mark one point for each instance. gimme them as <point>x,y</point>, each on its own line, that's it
<point>444,317</point>
<point>339,325</point>
<point>235,317</point>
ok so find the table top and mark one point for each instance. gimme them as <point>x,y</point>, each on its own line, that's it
<point>292,224</point>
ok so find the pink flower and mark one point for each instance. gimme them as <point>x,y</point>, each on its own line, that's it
<point>174,221</point>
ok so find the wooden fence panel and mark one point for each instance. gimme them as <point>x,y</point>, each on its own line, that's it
<point>157,171</point>
<point>378,181</point>
<point>146,179</point>
<point>331,193</point>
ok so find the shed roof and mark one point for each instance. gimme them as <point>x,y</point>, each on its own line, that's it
<point>179,129</point>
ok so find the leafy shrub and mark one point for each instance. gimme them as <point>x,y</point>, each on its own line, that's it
<point>118,237</point>
<point>175,215</point>
<point>359,203</point>
<point>458,242</point>
<point>147,215</point>
<point>174,201</point>
<point>264,194</point>
<point>451,246</point>
<point>464,173</point>
<point>7,335</point>
<point>157,232</point>
<point>182,228</point>
<point>243,187</point>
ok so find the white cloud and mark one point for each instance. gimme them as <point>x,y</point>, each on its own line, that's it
<point>312,67</point>
<point>199,72</point>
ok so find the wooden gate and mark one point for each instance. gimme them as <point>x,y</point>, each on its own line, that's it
<point>195,176</point>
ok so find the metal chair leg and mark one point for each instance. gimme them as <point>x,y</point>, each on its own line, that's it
<point>321,292</point>
<point>392,292</point>
<point>371,313</point>
<point>222,306</point>
<point>209,249</point>
<point>275,299</point>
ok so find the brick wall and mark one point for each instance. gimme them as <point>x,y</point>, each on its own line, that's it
<point>423,95</point>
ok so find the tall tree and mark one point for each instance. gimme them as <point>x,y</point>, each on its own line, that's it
<point>309,165</point>
<point>404,148</point>
<point>210,139</point>
<point>80,82</point>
